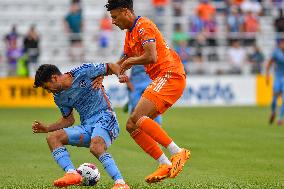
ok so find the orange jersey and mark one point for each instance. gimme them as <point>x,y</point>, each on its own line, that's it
<point>145,31</point>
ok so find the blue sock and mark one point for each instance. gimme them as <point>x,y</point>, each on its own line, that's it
<point>62,158</point>
<point>281,112</point>
<point>110,166</point>
<point>274,104</point>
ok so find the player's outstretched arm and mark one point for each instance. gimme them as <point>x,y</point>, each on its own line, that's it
<point>149,57</point>
<point>39,127</point>
<point>115,69</point>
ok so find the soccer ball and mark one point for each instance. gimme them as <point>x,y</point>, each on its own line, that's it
<point>90,174</point>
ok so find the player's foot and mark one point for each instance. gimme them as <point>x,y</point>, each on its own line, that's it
<point>120,186</point>
<point>161,173</point>
<point>272,117</point>
<point>178,161</point>
<point>279,122</point>
<point>68,179</point>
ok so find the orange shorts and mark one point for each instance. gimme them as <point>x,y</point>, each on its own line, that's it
<point>165,90</point>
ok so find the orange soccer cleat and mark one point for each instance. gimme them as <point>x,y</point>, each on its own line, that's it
<point>120,186</point>
<point>161,173</point>
<point>178,161</point>
<point>68,179</point>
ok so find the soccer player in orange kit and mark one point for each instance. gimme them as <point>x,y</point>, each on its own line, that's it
<point>145,45</point>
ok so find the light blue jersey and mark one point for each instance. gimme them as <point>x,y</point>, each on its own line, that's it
<point>140,81</point>
<point>81,96</point>
<point>97,117</point>
<point>278,58</point>
<point>138,77</point>
<point>93,105</point>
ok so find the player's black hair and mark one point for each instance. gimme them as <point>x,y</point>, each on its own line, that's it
<point>44,73</point>
<point>114,4</point>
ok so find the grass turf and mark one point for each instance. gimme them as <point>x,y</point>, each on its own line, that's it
<point>232,147</point>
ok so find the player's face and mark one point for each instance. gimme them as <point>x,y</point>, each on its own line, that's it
<point>53,86</point>
<point>119,18</point>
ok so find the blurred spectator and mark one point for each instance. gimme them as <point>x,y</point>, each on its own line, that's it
<point>256,58</point>
<point>160,7</point>
<point>237,2</point>
<point>184,53</point>
<point>198,46</point>
<point>277,3</point>
<point>31,48</point>
<point>210,29</point>
<point>179,35</point>
<point>252,6</point>
<point>73,24</point>
<point>196,25</point>
<point>205,10</point>
<point>251,28</point>
<point>76,1</point>
<point>237,57</point>
<point>279,24</point>
<point>22,66</point>
<point>105,34</point>
<point>178,7</point>
<point>13,53</point>
<point>206,13</point>
<point>11,39</point>
<point>220,5</point>
<point>234,24</point>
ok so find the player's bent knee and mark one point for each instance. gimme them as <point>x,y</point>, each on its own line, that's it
<point>51,137</point>
<point>98,146</point>
<point>130,125</point>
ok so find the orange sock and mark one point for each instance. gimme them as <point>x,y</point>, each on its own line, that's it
<point>152,128</point>
<point>147,143</point>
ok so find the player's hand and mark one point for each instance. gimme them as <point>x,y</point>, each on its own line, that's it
<point>39,127</point>
<point>123,78</point>
<point>127,64</point>
<point>97,82</point>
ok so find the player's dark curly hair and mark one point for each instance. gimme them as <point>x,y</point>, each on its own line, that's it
<point>44,73</point>
<point>114,4</point>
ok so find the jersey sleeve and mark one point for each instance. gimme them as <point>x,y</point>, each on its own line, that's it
<point>92,70</point>
<point>65,110</point>
<point>127,50</point>
<point>146,33</point>
<point>97,69</point>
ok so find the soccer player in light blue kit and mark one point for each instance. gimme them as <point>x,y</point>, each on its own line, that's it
<point>277,59</point>
<point>98,128</point>
<point>138,82</point>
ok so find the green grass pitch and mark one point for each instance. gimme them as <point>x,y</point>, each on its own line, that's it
<point>231,147</point>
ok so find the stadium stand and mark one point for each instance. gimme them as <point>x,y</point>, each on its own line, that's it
<point>48,17</point>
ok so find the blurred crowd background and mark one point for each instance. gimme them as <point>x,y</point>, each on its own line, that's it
<point>212,37</point>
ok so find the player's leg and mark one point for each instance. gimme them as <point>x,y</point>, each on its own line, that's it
<point>157,98</point>
<point>147,143</point>
<point>56,141</point>
<point>134,98</point>
<point>281,113</point>
<point>276,92</point>
<point>103,134</point>
<point>144,141</point>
